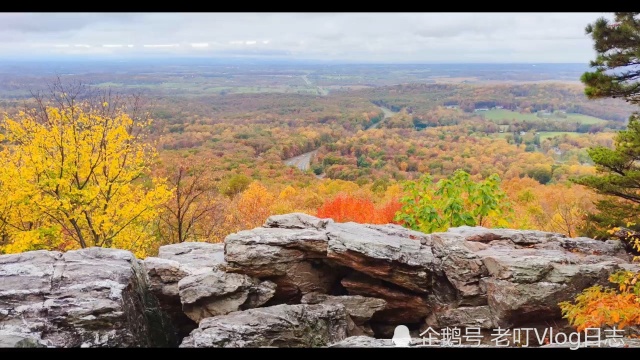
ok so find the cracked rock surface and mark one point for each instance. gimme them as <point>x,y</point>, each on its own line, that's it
<point>85,298</point>
<point>299,281</point>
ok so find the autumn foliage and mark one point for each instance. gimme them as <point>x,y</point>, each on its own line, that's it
<point>597,306</point>
<point>75,176</point>
<point>345,208</point>
<point>455,201</point>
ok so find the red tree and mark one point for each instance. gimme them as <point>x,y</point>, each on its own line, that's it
<point>345,208</point>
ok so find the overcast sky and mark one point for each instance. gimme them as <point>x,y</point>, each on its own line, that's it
<point>370,37</point>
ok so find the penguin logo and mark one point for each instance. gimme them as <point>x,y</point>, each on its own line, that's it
<point>401,336</point>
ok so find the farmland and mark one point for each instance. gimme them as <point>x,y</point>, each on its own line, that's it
<point>502,115</point>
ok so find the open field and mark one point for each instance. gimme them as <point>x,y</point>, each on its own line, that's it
<point>212,88</point>
<point>551,134</point>
<point>543,134</point>
<point>505,115</point>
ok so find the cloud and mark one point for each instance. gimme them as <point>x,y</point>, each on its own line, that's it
<point>163,46</point>
<point>391,37</point>
<point>57,22</point>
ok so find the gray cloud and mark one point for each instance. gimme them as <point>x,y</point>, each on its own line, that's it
<point>393,37</point>
<point>57,22</point>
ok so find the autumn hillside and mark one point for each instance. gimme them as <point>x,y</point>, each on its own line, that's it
<point>113,171</point>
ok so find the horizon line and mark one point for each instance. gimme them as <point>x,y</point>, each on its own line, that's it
<point>269,59</point>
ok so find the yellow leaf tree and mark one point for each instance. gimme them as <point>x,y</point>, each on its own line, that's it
<point>254,205</point>
<point>249,209</point>
<point>75,176</point>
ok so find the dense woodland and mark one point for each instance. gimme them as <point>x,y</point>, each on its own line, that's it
<point>221,156</point>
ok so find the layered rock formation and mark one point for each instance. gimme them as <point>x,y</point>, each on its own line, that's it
<point>84,298</point>
<point>300,325</point>
<point>299,281</point>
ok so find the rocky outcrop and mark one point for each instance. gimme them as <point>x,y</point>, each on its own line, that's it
<point>86,298</point>
<point>359,308</point>
<point>390,253</point>
<point>467,276</point>
<point>217,293</point>
<point>189,280</point>
<point>174,263</point>
<point>275,326</point>
<point>300,281</point>
<point>525,274</point>
<point>291,257</point>
<point>195,255</point>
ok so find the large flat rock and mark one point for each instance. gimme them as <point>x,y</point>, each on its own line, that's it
<point>194,254</point>
<point>382,254</point>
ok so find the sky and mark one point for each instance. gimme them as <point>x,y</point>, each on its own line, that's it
<point>349,37</point>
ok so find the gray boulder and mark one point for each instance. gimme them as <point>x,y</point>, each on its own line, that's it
<point>93,297</point>
<point>508,278</point>
<point>194,254</point>
<point>276,326</point>
<point>290,257</point>
<point>359,308</point>
<point>217,293</point>
<point>380,253</point>
<point>296,221</point>
<point>174,263</point>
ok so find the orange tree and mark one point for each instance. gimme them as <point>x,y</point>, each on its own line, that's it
<point>344,208</point>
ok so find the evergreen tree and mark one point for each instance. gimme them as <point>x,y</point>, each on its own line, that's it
<point>618,50</point>
<point>615,75</point>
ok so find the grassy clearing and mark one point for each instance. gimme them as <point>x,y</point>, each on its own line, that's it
<point>584,119</point>
<point>505,115</point>
<point>543,134</point>
<point>550,134</point>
